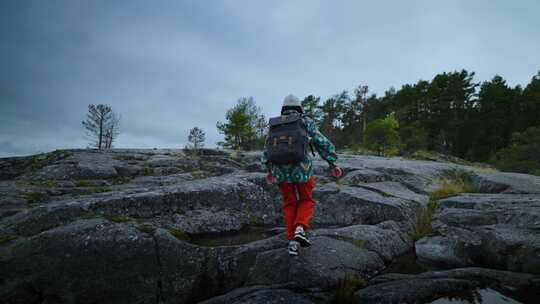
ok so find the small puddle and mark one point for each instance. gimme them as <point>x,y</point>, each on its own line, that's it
<point>477,296</point>
<point>243,236</point>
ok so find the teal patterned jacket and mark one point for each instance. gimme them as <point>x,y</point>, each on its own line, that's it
<point>301,172</point>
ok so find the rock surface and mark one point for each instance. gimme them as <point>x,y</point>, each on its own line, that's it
<point>463,283</point>
<point>126,226</point>
<point>492,230</point>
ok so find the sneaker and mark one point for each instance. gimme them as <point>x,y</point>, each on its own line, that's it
<point>293,247</point>
<point>300,237</point>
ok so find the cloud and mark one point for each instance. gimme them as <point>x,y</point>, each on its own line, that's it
<point>168,66</point>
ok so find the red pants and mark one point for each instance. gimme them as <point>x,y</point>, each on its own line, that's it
<point>297,210</point>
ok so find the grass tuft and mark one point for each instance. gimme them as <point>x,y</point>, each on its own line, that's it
<point>360,243</point>
<point>198,175</point>
<point>242,195</point>
<point>145,227</point>
<point>459,182</point>
<point>256,220</point>
<point>423,220</point>
<point>180,234</point>
<point>83,183</point>
<point>4,239</point>
<point>120,218</point>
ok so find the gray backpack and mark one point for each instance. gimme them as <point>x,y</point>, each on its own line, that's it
<point>287,141</point>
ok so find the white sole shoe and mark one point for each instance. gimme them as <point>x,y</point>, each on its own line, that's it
<point>293,248</point>
<point>302,239</point>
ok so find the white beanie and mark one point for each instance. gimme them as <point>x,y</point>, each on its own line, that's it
<point>291,101</point>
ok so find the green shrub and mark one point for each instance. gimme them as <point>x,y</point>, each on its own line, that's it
<point>345,289</point>
<point>382,136</point>
<point>180,234</point>
<point>523,154</point>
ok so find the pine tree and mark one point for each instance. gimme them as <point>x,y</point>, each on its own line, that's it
<point>245,126</point>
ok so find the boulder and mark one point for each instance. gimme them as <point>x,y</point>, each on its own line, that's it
<point>261,294</point>
<point>495,182</point>
<point>363,176</point>
<point>468,284</point>
<point>492,230</point>
<point>323,264</point>
<point>387,243</point>
<point>345,205</point>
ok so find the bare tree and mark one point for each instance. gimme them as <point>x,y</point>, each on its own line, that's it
<point>112,131</point>
<point>102,126</point>
<point>197,137</point>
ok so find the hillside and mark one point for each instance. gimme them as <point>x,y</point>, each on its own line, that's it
<point>166,226</point>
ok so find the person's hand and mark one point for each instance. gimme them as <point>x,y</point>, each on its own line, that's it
<point>269,178</point>
<point>336,172</point>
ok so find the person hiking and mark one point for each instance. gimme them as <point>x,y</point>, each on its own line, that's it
<point>289,165</point>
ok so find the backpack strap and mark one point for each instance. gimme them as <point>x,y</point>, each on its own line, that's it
<point>303,115</point>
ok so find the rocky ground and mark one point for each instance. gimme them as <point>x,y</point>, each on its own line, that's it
<point>167,226</point>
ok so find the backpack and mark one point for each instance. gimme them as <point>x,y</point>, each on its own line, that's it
<point>287,141</point>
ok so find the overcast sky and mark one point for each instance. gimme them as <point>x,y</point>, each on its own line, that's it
<point>167,66</point>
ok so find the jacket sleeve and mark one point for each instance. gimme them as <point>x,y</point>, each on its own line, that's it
<point>324,147</point>
<point>265,162</point>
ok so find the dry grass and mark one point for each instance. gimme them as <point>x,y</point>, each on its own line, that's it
<point>423,220</point>
<point>458,182</point>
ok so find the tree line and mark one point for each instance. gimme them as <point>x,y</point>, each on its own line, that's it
<point>451,114</point>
